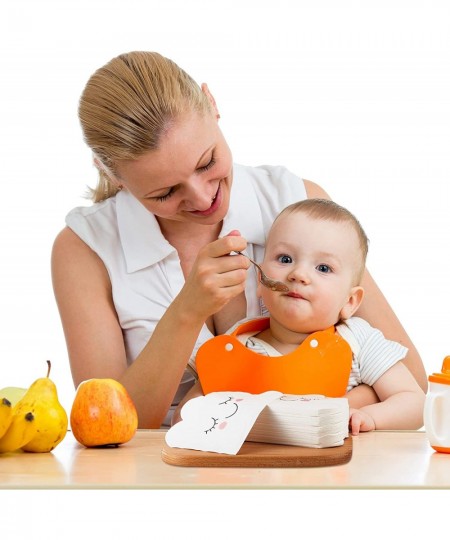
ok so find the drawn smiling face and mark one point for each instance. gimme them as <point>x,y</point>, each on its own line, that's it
<point>219,421</point>
<point>231,406</point>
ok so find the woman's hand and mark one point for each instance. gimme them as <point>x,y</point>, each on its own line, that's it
<point>216,276</point>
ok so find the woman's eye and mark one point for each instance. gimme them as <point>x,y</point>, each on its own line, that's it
<point>164,197</point>
<point>208,165</point>
<point>284,259</point>
<point>324,268</point>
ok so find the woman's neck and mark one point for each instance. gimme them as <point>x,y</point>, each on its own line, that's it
<point>188,239</point>
<point>177,232</point>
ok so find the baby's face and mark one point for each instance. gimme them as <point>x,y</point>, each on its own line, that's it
<point>318,260</point>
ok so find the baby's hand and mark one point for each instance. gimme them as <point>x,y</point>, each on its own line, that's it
<point>360,421</point>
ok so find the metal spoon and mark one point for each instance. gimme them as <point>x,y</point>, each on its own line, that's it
<point>266,281</point>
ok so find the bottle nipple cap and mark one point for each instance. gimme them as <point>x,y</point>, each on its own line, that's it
<point>444,376</point>
<point>446,365</point>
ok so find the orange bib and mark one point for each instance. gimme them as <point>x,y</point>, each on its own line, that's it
<point>320,365</point>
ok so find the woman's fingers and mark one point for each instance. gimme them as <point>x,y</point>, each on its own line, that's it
<point>217,277</point>
<point>225,245</point>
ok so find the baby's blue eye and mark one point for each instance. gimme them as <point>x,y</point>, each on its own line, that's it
<point>285,259</point>
<point>324,268</point>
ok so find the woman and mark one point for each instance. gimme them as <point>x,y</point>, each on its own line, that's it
<point>142,277</point>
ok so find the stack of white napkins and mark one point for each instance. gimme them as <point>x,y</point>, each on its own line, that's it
<point>313,421</point>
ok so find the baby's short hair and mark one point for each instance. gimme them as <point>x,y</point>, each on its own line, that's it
<point>331,211</point>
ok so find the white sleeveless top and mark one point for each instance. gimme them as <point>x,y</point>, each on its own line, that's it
<point>144,268</point>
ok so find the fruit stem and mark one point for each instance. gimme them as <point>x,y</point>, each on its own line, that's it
<point>49,368</point>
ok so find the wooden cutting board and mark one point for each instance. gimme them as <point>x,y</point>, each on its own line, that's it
<point>258,455</point>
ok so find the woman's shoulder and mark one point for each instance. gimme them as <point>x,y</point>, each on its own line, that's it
<point>266,172</point>
<point>88,222</point>
<point>274,185</point>
<point>71,255</point>
<point>93,212</point>
<point>96,226</point>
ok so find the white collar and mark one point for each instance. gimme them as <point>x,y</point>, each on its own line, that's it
<point>144,244</point>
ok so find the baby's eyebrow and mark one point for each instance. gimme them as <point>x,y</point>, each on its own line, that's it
<point>327,256</point>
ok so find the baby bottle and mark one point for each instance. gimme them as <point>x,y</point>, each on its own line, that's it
<point>437,409</point>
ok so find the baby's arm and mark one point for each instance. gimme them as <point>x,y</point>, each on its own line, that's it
<point>400,407</point>
<point>361,395</point>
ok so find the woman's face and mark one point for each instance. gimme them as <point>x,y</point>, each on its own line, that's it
<point>188,178</point>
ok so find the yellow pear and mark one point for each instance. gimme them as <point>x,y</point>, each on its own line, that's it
<point>50,418</point>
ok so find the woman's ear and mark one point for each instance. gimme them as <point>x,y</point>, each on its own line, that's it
<point>106,172</point>
<point>354,301</point>
<point>211,99</point>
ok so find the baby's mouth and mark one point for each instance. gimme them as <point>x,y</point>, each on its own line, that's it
<point>293,294</point>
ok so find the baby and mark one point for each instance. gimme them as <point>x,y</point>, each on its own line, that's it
<point>318,249</point>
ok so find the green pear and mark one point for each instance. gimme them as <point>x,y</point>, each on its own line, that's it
<point>12,393</point>
<point>50,418</point>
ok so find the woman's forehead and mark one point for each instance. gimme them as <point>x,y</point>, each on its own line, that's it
<point>181,148</point>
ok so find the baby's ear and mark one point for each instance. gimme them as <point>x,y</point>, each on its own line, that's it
<point>354,301</point>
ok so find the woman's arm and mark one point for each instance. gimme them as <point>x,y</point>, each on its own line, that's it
<point>93,334</point>
<point>378,313</point>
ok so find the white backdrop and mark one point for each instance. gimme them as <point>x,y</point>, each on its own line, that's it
<point>353,95</point>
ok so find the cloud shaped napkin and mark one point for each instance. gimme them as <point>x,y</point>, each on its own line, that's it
<point>219,421</point>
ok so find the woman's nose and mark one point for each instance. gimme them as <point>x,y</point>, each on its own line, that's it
<point>197,195</point>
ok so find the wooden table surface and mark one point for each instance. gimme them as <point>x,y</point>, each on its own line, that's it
<point>381,459</point>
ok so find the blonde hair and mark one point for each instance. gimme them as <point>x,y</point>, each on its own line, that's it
<point>128,104</point>
<point>331,211</point>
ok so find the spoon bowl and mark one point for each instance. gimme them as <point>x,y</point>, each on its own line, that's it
<point>266,281</point>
